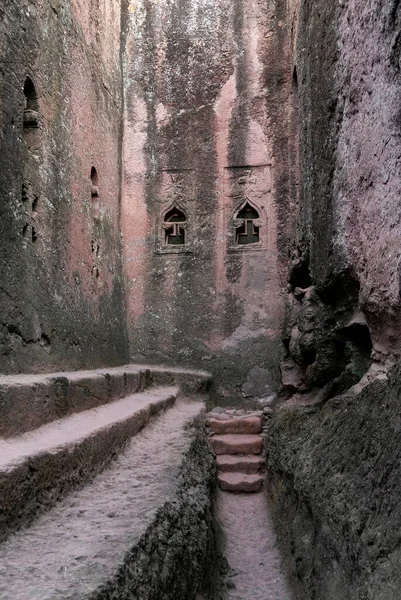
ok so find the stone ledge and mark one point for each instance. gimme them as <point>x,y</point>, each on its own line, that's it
<point>29,401</point>
<point>229,463</point>
<point>237,444</point>
<point>144,527</point>
<point>239,482</point>
<point>40,467</point>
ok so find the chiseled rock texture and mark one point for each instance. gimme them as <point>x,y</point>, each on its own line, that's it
<point>344,300</point>
<point>178,555</point>
<point>232,443</point>
<point>61,293</point>
<point>335,470</point>
<point>335,485</point>
<point>205,130</point>
<point>245,424</point>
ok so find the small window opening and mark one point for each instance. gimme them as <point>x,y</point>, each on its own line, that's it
<point>247,226</point>
<point>31,108</point>
<point>95,183</point>
<point>295,78</point>
<point>174,224</point>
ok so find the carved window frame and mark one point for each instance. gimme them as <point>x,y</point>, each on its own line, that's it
<point>236,222</point>
<point>161,246</point>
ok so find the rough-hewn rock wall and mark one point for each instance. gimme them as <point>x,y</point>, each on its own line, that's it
<point>346,248</point>
<point>178,555</point>
<point>206,129</point>
<point>335,488</point>
<point>61,300</point>
<point>334,467</point>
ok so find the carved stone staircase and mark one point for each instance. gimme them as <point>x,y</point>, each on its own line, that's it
<point>238,444</point>
<point>94,472</point>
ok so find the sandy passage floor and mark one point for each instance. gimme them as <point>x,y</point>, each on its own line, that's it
<point>251,548</point>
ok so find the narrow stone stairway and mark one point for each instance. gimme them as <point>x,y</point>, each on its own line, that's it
<point>242,507</point>
<point>237,442</point>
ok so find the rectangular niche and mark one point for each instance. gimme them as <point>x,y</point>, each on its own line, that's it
<point>247,192</point>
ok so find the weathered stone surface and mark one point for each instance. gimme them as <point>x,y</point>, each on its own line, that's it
<point>39,468</point>
<point>239,464</point>
<point>62,296</point>
<point>237,444</point>
<point>256,572</point>
<point>291,374</point>
<point>145,525</point>
<point>205,128</point>
<point>202,129</point>
<point>349,167</point>
<point>29,401</point>
<point>335,481</point>
<point>259,383</point>
<point>236,425</point>
<point>239,482</point>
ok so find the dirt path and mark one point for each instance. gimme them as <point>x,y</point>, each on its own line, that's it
<point>251,548</point>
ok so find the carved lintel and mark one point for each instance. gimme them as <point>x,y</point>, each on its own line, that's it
<point>169,224</point>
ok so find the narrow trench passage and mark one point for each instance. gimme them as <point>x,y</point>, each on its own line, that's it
<point>250,545</point>
<point>251,549</point>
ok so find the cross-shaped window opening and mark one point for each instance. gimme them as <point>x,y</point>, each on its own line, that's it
<point>174,226</point>
<point>247,232</point>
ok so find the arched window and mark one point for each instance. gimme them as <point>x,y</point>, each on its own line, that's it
<point>31,108</point>
<point>174,224</point>
<point>95,183</point>
<point>247,225</point>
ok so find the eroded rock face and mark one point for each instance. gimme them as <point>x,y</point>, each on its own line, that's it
<point>61,297</point>
<point>327,337</point>
<point>333,459</point>
<point>346,75</point>
<point>206,136</point>
<point>335,487</point>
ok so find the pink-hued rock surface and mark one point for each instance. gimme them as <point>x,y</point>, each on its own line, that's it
<point>240,464</point>
<point>236,444</point>
<point>251,548</point>
<point>236,425</point>
<point>217,141</point>
<point>240,482</point>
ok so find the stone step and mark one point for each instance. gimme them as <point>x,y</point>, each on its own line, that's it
<point>190,382</point>
<point>240,482</point>
<point>39,467</point>
<point>230,463</point>
<point>246,425</point>
<point>106,538</point>
<point>29,401</point>
<point>232,443</point>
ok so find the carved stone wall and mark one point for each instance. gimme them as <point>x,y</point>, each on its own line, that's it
<point>335,445</point>
<point>61,294</point>
<point>206,131</point>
